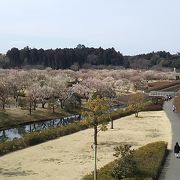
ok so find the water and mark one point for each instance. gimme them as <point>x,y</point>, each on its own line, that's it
<point>18,132</point>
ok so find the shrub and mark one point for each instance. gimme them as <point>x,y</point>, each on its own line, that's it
<point>102,174</point>
<point>9,146</point>
<point>121,113</point>
<point>153,107</point>
<point>155,104</point>
<point>33,138</point>
<point>125,165</point>
<point>149,160</point>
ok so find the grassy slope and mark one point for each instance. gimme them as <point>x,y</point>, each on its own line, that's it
<point>14,116</point>
<point>162,84</point>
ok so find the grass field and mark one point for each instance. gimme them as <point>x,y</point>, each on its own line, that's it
<point>71,157</point>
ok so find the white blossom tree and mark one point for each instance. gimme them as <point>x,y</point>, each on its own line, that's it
<point>5,92</point>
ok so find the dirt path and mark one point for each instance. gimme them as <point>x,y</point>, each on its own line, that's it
<point>71,157</point>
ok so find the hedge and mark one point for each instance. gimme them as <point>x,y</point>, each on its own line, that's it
<point>39,137</point>
<point>149,159</point>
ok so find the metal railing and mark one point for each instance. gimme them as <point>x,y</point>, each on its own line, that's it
<point>161,93</point>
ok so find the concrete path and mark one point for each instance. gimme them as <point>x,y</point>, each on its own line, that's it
<point>171,170</point>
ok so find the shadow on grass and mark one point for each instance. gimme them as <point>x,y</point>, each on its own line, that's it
<point>139,117</point>
<point>15,172</point>
<point>146,117</point>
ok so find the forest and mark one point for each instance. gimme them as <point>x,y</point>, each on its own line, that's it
<point>85,57</point>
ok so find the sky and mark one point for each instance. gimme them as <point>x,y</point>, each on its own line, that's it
<point>130,26</point>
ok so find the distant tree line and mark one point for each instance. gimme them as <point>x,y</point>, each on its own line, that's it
<point>154,59</point>
<point>63,58</point>
<point>84,57</point>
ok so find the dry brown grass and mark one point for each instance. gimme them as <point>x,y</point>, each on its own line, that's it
<point>71,157</point>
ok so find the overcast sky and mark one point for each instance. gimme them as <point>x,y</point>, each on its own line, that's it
<point>130,26</point>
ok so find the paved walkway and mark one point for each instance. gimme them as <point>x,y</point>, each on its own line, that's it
<point>171,170</point>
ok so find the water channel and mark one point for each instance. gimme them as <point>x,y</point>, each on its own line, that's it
<point>18,132</point>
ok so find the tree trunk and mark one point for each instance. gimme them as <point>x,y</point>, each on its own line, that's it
<point>95,164</point>
<point>34,106</point>
<point>30,108</point>
<point>53,101</point>
<point>53,107</point>
<point>136,114</point>
<point>43,104</point>
<point>112,124</point>
<point>111,120</point>
<point>4,134</point>
<point>16,98</point>
<point>3,105</point>
<point>95,134</point>
<point>95,148</point>
<point>61,103</point>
